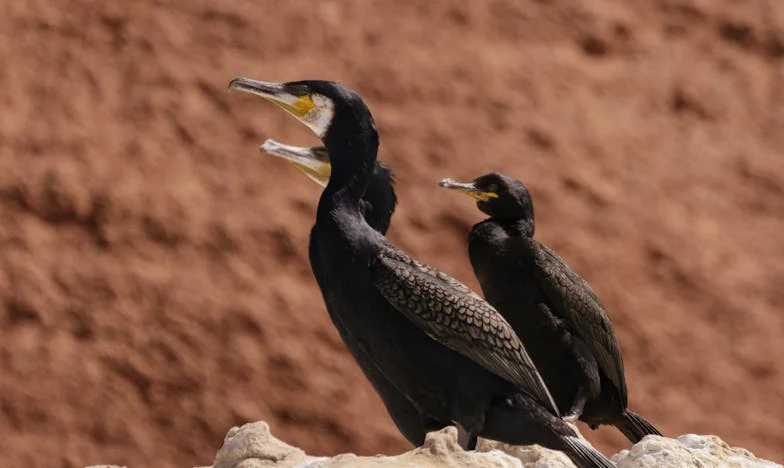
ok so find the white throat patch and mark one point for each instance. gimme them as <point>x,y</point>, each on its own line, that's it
<point>320,117</point>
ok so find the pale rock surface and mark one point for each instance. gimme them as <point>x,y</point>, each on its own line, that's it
<point>687,451</point>
<point>253,446</point>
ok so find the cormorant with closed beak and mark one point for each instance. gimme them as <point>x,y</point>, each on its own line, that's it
<point>554,311</point>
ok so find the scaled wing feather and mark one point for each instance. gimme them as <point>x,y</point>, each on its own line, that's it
<point>574,302</point>
<point>451,314</point>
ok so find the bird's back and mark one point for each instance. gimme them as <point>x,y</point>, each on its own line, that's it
<point>441,382</point>
<point>504,267</point>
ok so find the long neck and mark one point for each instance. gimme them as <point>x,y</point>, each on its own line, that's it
<point>353,152</point>
<point>518,226</point>
<point>352,181</point>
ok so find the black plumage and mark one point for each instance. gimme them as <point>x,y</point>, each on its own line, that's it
<point>377,206</point>
<point>448,351</point>
<point>559,318</point>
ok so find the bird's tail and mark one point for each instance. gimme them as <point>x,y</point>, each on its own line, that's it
<point>635,427</point>
<point>583,455</point>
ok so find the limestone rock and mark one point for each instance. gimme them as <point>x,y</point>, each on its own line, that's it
<point>253,446</point>
<point>690,450</point>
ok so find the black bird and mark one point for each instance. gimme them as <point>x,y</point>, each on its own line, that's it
<point>447,350</point>
<point>559,318</point>
<point>377,205</point>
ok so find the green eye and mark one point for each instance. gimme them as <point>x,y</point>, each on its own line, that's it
<point>492,188</point>
<point>299,90</point>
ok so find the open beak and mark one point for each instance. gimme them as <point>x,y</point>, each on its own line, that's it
<point>314,162</point>
<point>468,189</point>
<point>298,106</point>
<point>295,98</point>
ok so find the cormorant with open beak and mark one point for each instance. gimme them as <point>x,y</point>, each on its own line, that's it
<point>377,205</point>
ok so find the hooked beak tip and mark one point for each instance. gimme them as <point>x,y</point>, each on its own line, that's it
<point>260,88</point>
<point>236,83</point>
<point>268,145</point>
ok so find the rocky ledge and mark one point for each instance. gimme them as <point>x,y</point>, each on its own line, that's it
<point>254,446</point>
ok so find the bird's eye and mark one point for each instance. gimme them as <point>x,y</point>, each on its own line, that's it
<point>492,188</point>
<point>299,90</point>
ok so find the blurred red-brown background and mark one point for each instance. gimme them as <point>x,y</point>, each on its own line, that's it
<point>154,281</point>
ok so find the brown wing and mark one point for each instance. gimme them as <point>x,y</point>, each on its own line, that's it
<point>575,303</point>
<point>454,316</point>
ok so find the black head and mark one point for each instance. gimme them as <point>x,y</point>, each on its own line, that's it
<point>335,113</point>
<point>500,196</point>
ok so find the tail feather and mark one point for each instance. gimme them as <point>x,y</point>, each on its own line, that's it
<point>583,455</point>
<point>635,427</point>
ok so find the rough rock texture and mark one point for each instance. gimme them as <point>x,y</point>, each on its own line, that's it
<point>253,446</point>
<point>688,450</point>
<point>153,265</point>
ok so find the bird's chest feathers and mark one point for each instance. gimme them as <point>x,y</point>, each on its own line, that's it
<point>494,251</point>
<point>340,255</point>
<point>503,265</point>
